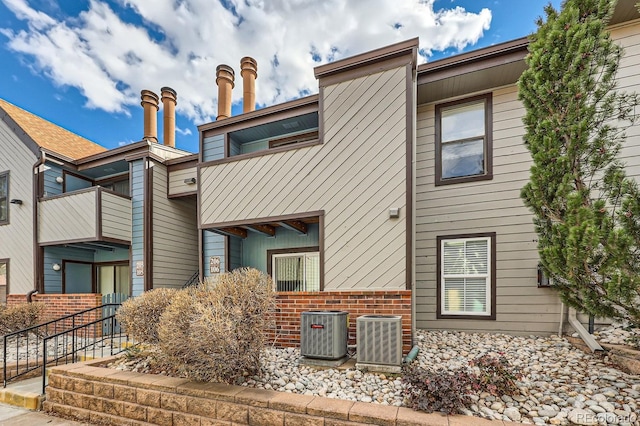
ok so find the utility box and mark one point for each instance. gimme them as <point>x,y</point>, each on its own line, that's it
<point>323,334</point>
<point>379,339</point>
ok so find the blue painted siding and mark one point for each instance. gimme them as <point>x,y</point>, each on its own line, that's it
<point>255,246</point>
<point>213,148</point>
<point>137,234</point>
<point>213,245</point>
<point>73,183</point>
<point>51,172</point>
<point>118,254</point>
<point>235,253</point>
<point>53,279</point>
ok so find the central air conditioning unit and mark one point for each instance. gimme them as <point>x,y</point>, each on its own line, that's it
<point>323,334</point>
<point>379,339</point>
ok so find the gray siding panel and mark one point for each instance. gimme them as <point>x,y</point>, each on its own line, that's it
<point>116,217</point>
<point>175,238</point>
<point>355,176</point>
<point>495,206</point>
<point>16,238</point>
<point>54,215</point>
<point>177,178</point>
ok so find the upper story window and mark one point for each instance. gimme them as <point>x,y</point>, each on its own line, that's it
<point>4,198</point>
<point>463,140</point>
<point>119,187</point>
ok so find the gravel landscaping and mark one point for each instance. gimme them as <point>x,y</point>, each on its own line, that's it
<point>560,384</point>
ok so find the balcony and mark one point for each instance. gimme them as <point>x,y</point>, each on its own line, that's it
<point>92,214</point>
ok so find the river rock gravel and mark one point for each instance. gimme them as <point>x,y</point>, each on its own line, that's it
<point>561,385</point>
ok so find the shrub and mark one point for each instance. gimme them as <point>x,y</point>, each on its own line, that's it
<point>495,375</point>
<point>449,391</point>
<point>443,391</point>
<point>17,317</point>
<point>217,334</point>
<point>140,315</point>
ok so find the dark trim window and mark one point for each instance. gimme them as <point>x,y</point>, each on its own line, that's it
<point>4,198</point>
<point>295,269</point>
<point>467,276</point>
<point>464,140</point>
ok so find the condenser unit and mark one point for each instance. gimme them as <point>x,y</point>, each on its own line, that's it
<point>323,334</point>
<point>379,339</point>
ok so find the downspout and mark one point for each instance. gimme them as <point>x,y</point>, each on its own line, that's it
<point>584,334</point>
<point>561,326</point>
<point>37,285</point>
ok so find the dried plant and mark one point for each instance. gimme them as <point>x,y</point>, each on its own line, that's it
<point>140,315</point>
<point>21,316</point>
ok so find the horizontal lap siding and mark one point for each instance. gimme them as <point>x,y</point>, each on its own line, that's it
<point>495,206</point>
<point>55,214</point>
<point>16,238</point>
<point>175,238</point>
<point>116,217</point>
<point>177,185</point>
<point>355,176</point>
<point>485,206</point>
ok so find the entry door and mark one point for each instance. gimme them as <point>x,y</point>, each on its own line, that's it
<point>114,279</point>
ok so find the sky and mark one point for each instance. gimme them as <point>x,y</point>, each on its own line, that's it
<point>82,64</point>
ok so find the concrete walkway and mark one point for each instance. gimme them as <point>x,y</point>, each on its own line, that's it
<point>14,416</point>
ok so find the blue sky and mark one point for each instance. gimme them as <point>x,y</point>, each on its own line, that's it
<point>82,64</point>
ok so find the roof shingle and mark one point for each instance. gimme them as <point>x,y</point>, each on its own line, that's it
<point>50,136</point>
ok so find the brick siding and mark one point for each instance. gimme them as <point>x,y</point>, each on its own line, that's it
<point>289,306</point>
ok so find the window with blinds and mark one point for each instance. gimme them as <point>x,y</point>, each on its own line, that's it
<point>466,276</point>
<point>296,271</point>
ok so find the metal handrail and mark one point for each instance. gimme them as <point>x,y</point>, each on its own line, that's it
<point>40,329</point>
<point>71,356</point>
<point>193,280</point>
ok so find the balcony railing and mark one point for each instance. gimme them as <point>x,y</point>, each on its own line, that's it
<point>92,214</point>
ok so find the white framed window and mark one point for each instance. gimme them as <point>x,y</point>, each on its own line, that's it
<point>466,271</point>
<point>463,140</point>
<point>296,271</point>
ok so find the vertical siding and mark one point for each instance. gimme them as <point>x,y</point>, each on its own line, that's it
<point>116,217</point>
<point>213,245</point>
<point>137,227</point>
<point>255,246</point>
<point>355,176</point>
<point>51,172</point>
<point>175,234</point>
<point>54,215</point>
<point>53,279</point>
<point>213,148</point>
<point>176,181</point>
<point>16,238</point>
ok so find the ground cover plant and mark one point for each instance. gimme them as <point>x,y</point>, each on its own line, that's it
<point>17,317</point>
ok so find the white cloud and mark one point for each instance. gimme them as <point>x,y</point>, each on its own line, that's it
<point>184,132</point>
<point>110,60</point>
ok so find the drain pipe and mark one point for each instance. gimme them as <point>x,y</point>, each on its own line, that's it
<point>561,326</point>
<point>584,334</point>
<point>36,247</point>
<point>30,295</point>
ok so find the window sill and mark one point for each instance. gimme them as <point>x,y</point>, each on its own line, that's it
<point>466,317</point>
<point>465,179</point>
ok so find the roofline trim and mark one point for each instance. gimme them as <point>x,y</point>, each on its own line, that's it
<point>398,49</point>
<point>22,135</point>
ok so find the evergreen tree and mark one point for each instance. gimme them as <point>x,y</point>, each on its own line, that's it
<point>586,210</point>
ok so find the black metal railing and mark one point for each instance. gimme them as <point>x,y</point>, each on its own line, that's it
<point>66,346</point>
<point>28,343</point>
<point>193,280</point>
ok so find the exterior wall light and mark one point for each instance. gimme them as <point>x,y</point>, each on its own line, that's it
<point>16,201</point>
<point>59,179</point>
<point>190,181</point>
<point>55,267</point>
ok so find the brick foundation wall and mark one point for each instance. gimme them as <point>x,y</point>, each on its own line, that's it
<point>289,306</point>
<point>59,305</point>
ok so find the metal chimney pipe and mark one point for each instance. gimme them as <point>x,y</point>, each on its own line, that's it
<point>169,102</point>
<point>249,73</point>
<point>149,102</point>
<point>224,79</point>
